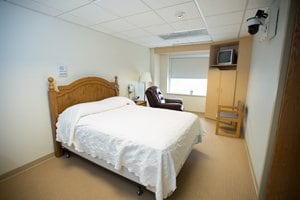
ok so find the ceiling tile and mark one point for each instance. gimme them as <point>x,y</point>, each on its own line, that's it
<point>121,35</point>
<point>217,7</point>
<point>93,14</point>
<point>65,5</point>
<point>134,20</point>
<point>191,24</point>
<point>145,19</point>
<point>225,19</point>
<point>118,25</point>
<point>123,8</point>
<point>189,11</point>
<point>76,19</point>
<point>159,29</point>
<point>230,31</point>
<point>259,3</point>
<point>226,29</point>
<point>222,37</point>
<point>136,33</point>
<point>102,29</point>
<point>155,4</point>
<point>151,39</point>
<point>200,39</point>
<point>33,5</point>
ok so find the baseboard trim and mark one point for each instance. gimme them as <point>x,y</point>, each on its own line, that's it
<point>25,167</point>
<point>251,168</point>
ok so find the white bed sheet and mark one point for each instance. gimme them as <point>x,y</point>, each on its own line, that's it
<point>151,143</point>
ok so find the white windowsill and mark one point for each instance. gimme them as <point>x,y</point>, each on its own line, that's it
<point>186,95</point>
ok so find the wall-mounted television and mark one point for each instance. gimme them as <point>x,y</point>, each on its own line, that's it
<point>225,57</point>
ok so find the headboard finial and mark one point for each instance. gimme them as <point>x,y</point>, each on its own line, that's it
<point>51,83</point>
<point>117,85</point>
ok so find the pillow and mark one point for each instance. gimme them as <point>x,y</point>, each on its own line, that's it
<point>68,119</point>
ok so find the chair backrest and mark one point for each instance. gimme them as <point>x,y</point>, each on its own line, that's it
<point>154,96</point>
<point>240,107</point>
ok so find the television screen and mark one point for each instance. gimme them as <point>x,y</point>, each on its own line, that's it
<point>225,56</point>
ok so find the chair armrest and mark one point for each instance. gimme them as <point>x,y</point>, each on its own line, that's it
<point>172,106</point>
<point>173,101</point>
<point>229,111</point>
<point>228,107</point>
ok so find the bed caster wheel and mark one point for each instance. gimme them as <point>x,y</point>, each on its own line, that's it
<point>140,191</point>
<point>68,155</point>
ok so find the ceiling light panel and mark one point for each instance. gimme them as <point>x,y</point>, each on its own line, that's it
<point>123,8</point>
<point>183,35</point>
<point>145,19</point>
<point>217,7</point>
<point>170,14</point>
<point>155,4</point>
<point>200,39</point>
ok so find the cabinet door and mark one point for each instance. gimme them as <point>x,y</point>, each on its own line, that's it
<point>212,96</point>
<point>227,87</point>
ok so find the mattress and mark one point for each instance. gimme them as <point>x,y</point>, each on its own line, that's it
<point>151,143</point>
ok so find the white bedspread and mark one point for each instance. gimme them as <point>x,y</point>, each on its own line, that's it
<point>151,143</point>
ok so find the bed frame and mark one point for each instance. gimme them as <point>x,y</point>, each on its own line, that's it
<point>86,90</point>
<point>83,90</point>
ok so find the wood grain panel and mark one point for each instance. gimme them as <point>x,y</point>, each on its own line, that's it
<point>80,91</point>
<point>227,87</point>
<point>243,65</point>
<point>212,96</point>
<point>284,178</point>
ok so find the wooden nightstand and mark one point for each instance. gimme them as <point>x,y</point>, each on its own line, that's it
<point>141,103</point>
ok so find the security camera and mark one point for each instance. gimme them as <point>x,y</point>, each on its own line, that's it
<point>256,21</point>
<point>253,25</point>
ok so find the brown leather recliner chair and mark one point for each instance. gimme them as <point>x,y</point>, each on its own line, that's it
<point>157,100</point>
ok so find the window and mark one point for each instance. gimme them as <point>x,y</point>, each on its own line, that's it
<point>188,74</point>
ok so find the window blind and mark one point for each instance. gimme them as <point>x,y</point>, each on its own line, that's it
<point>189,67</point>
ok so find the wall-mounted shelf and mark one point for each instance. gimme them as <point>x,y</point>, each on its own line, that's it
<point>223,67</point>
<point>214,50</point>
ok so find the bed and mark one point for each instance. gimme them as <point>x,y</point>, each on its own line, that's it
<point>146,145</point>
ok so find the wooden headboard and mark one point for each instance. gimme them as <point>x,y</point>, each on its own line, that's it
<point>80,91</point>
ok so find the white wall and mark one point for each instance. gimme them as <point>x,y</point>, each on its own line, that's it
<point>264,76</point>
<point>32,45</point>
<point>191,103</point>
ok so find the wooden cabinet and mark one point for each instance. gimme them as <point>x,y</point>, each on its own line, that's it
<point>220,90</point>
<point>228,84</point>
